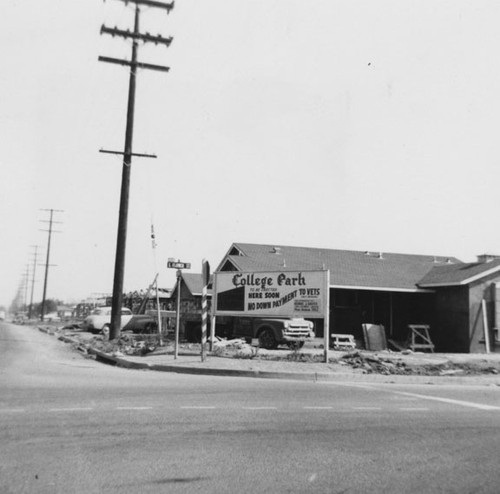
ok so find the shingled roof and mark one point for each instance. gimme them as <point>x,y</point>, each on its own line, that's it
<point>458,274</point>
<point>194,283</point>
<point>349,269</point>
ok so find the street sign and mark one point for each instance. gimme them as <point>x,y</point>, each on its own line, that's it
<point>178,265</point>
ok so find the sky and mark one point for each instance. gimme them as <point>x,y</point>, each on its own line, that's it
<point>342,124</point>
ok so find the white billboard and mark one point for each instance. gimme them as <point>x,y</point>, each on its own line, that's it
<point>277,293</point>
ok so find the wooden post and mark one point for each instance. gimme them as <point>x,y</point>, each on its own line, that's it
<point>158,312</point>
<point>204,307</point>
<point>485,327</point>
<point>178,315</point>
<point>214,310</point>
<point>121,240</point>
<point>327,316</point>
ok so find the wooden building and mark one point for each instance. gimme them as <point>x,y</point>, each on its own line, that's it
<point>467,300</point>
<point>394,290</point>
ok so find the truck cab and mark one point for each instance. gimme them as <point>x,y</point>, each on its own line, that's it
<point>272,332</point>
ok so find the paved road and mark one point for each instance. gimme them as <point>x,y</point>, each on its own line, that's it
<point>68,424</point>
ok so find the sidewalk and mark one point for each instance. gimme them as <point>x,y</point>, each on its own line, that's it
<point>338,369</point>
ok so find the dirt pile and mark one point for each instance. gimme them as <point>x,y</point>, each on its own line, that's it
<point>374,364</point>
<point>126,345</point>
<point>237,348</point>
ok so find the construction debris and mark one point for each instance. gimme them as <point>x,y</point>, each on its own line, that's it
<point>237,348</point>
<point>126,345</point>
<point>375,364</point>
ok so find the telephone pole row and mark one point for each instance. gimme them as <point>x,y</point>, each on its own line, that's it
<point>134,64</point>
<point>33,271</point>
<point>50,232</point>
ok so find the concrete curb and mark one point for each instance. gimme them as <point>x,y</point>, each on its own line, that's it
<point>295,376</point>
<point>46,330</point>
<point>119,362</point>
<point>123,362</point>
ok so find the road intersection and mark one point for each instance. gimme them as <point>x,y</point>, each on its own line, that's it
<point>70,424</point>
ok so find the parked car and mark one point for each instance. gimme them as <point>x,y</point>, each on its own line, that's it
<point>20,318</point>
<point>51,317</point>
<point>141,323</point>
<point>99,321</point>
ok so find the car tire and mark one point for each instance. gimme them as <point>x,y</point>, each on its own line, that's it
<point>267,339</point>
<point>150,328</point>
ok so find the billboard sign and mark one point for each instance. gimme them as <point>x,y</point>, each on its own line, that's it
<point>277,293</point>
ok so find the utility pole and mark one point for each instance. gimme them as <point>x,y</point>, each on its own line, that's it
<point>26,278</point>
<point>50,231</point>
<point>136,36</point>
<point>33,281</point>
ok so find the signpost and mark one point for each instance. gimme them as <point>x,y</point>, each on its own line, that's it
<point>326,319</point>
<point>173,264</point>
<point>205,268</point>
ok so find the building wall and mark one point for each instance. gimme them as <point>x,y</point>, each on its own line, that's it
<point>477,292</point>
<point>460,320</point>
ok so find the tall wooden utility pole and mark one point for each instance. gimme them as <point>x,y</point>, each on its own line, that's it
<point>33,281</point>
<point>50,231</point>
<point>136,36</point>
<point>26,279</point>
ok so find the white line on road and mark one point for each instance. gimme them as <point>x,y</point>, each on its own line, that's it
<point>469,404</point>
<point>197,408</point>
<point>414,409</point>
<point>317,408</point>
<point>134,408</point>
<point>12,410</point>
<point>69,409</point>
<point>463,403</point>
<point>259,408</point>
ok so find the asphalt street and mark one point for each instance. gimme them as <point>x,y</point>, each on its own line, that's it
<point>71,424</point>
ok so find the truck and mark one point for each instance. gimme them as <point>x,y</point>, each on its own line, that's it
<point>272,332</point>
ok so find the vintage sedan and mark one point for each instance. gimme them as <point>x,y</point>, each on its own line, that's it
<point>99,321</point>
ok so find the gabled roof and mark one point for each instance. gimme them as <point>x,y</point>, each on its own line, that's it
<point>194,283</point>
<point>459,274</point>
<point>349,269</point>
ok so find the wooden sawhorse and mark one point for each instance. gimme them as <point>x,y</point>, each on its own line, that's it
<point>419,337</point>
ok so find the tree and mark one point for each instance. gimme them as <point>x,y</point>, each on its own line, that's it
<point>50,306</point>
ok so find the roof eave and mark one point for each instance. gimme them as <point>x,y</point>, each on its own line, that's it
<point>383,289</point>
<point>467,281</point>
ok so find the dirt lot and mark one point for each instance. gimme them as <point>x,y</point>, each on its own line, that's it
<point>358,361</point>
